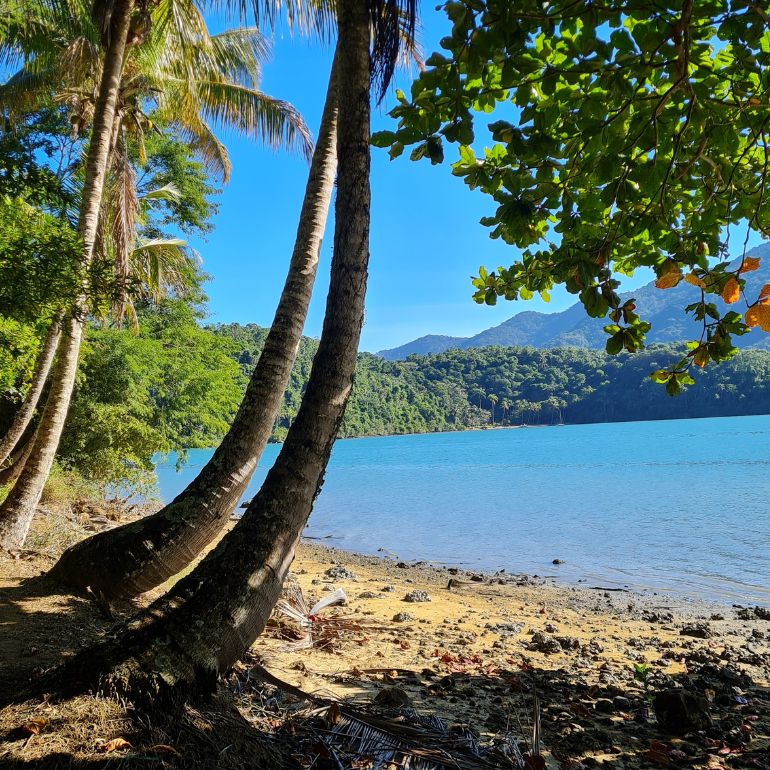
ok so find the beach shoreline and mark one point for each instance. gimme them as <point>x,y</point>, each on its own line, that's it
<point>597,659</point>
<point>684,598</point>
<point>478,649</point>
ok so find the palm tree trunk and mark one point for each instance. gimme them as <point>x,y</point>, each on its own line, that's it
<point>210,617</point>
<point>19,507</point>
<point>19,456</point>
<point>129,560</point>
<point>39,376</point>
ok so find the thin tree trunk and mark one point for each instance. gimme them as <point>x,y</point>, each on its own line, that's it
<point>19,507</point>
<point>23,417</point>
<point>210,618</point>
<point>128,560</point>
<point>19,456</point>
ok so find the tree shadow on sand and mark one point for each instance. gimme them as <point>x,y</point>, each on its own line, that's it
<point>40,625</point>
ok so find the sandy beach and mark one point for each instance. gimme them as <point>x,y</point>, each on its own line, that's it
<point>608,668</point>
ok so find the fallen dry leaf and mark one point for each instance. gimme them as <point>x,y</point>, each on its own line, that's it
<point>534,762</point>
<point>35,726</point>
<point>116,744</point>
<point>333,715</point>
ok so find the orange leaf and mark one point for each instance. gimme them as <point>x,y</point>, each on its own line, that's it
<point>333,715</point>
<point>694,280</point>
<point>764,293</point>
<point>701,357</point>
<point>759,315</point>
<point>35,726</point>
<point>116,744</point>
<point>732,291</point>
<point>749,265</point>
<point>669,276</point>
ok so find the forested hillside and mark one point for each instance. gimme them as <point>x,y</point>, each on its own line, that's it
<point>174,384</point>
<point>458,389</point>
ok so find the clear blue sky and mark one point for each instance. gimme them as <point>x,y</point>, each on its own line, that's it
<point>426,239</point>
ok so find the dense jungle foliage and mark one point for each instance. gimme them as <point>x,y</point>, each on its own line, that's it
<point>176,384</point>
<point>460,389</point>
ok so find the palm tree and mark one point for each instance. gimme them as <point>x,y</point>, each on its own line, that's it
<point>17,510</point>
<point>220,90</point>
<point>521,406</point>
<point>209,618</point>
<point>146,553</point>
<point>505,405</point>
<point>492,398</point>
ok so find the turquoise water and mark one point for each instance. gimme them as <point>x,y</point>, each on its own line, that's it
<point>678,505</point>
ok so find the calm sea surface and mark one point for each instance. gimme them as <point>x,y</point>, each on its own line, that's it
<point>679,505</point>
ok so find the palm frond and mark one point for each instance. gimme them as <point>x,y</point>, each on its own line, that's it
<point>81,59</point>
<point>238,54</point>
<point>161,266</point>
<point>308,17</point>
<point>255,115</point>
<point>178,31</point>
<point>26,90</point>
<point>122,206</point>
<point>204,142</point>
<point>410,53</point>
<point>169,192</point>
<point>392,22</point>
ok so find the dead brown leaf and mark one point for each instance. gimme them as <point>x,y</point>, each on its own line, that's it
<point>116,744</point>
<point>333,715</point>
<point>35,726</point>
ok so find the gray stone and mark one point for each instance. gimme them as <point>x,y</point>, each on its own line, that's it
<point>339,572</point>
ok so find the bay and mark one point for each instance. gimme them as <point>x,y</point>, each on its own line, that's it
<point>678,506</point>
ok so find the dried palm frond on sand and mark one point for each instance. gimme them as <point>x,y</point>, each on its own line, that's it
<point>368,738</point>
<point>309,626</point>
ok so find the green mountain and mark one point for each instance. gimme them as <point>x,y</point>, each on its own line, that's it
<point>572,327</point>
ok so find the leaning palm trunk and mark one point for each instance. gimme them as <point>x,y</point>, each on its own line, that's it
<point>19,507</point>
<point>128,560</point>
<point>19,456</point>
<point>210,617</point>
<point>23,417</point>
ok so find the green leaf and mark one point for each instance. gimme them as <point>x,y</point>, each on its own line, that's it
<point>383,138</point>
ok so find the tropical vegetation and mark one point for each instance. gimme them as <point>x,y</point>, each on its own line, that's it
<point>632,136</point>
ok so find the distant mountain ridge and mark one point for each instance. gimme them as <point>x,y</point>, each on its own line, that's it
<point>573,328</point>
